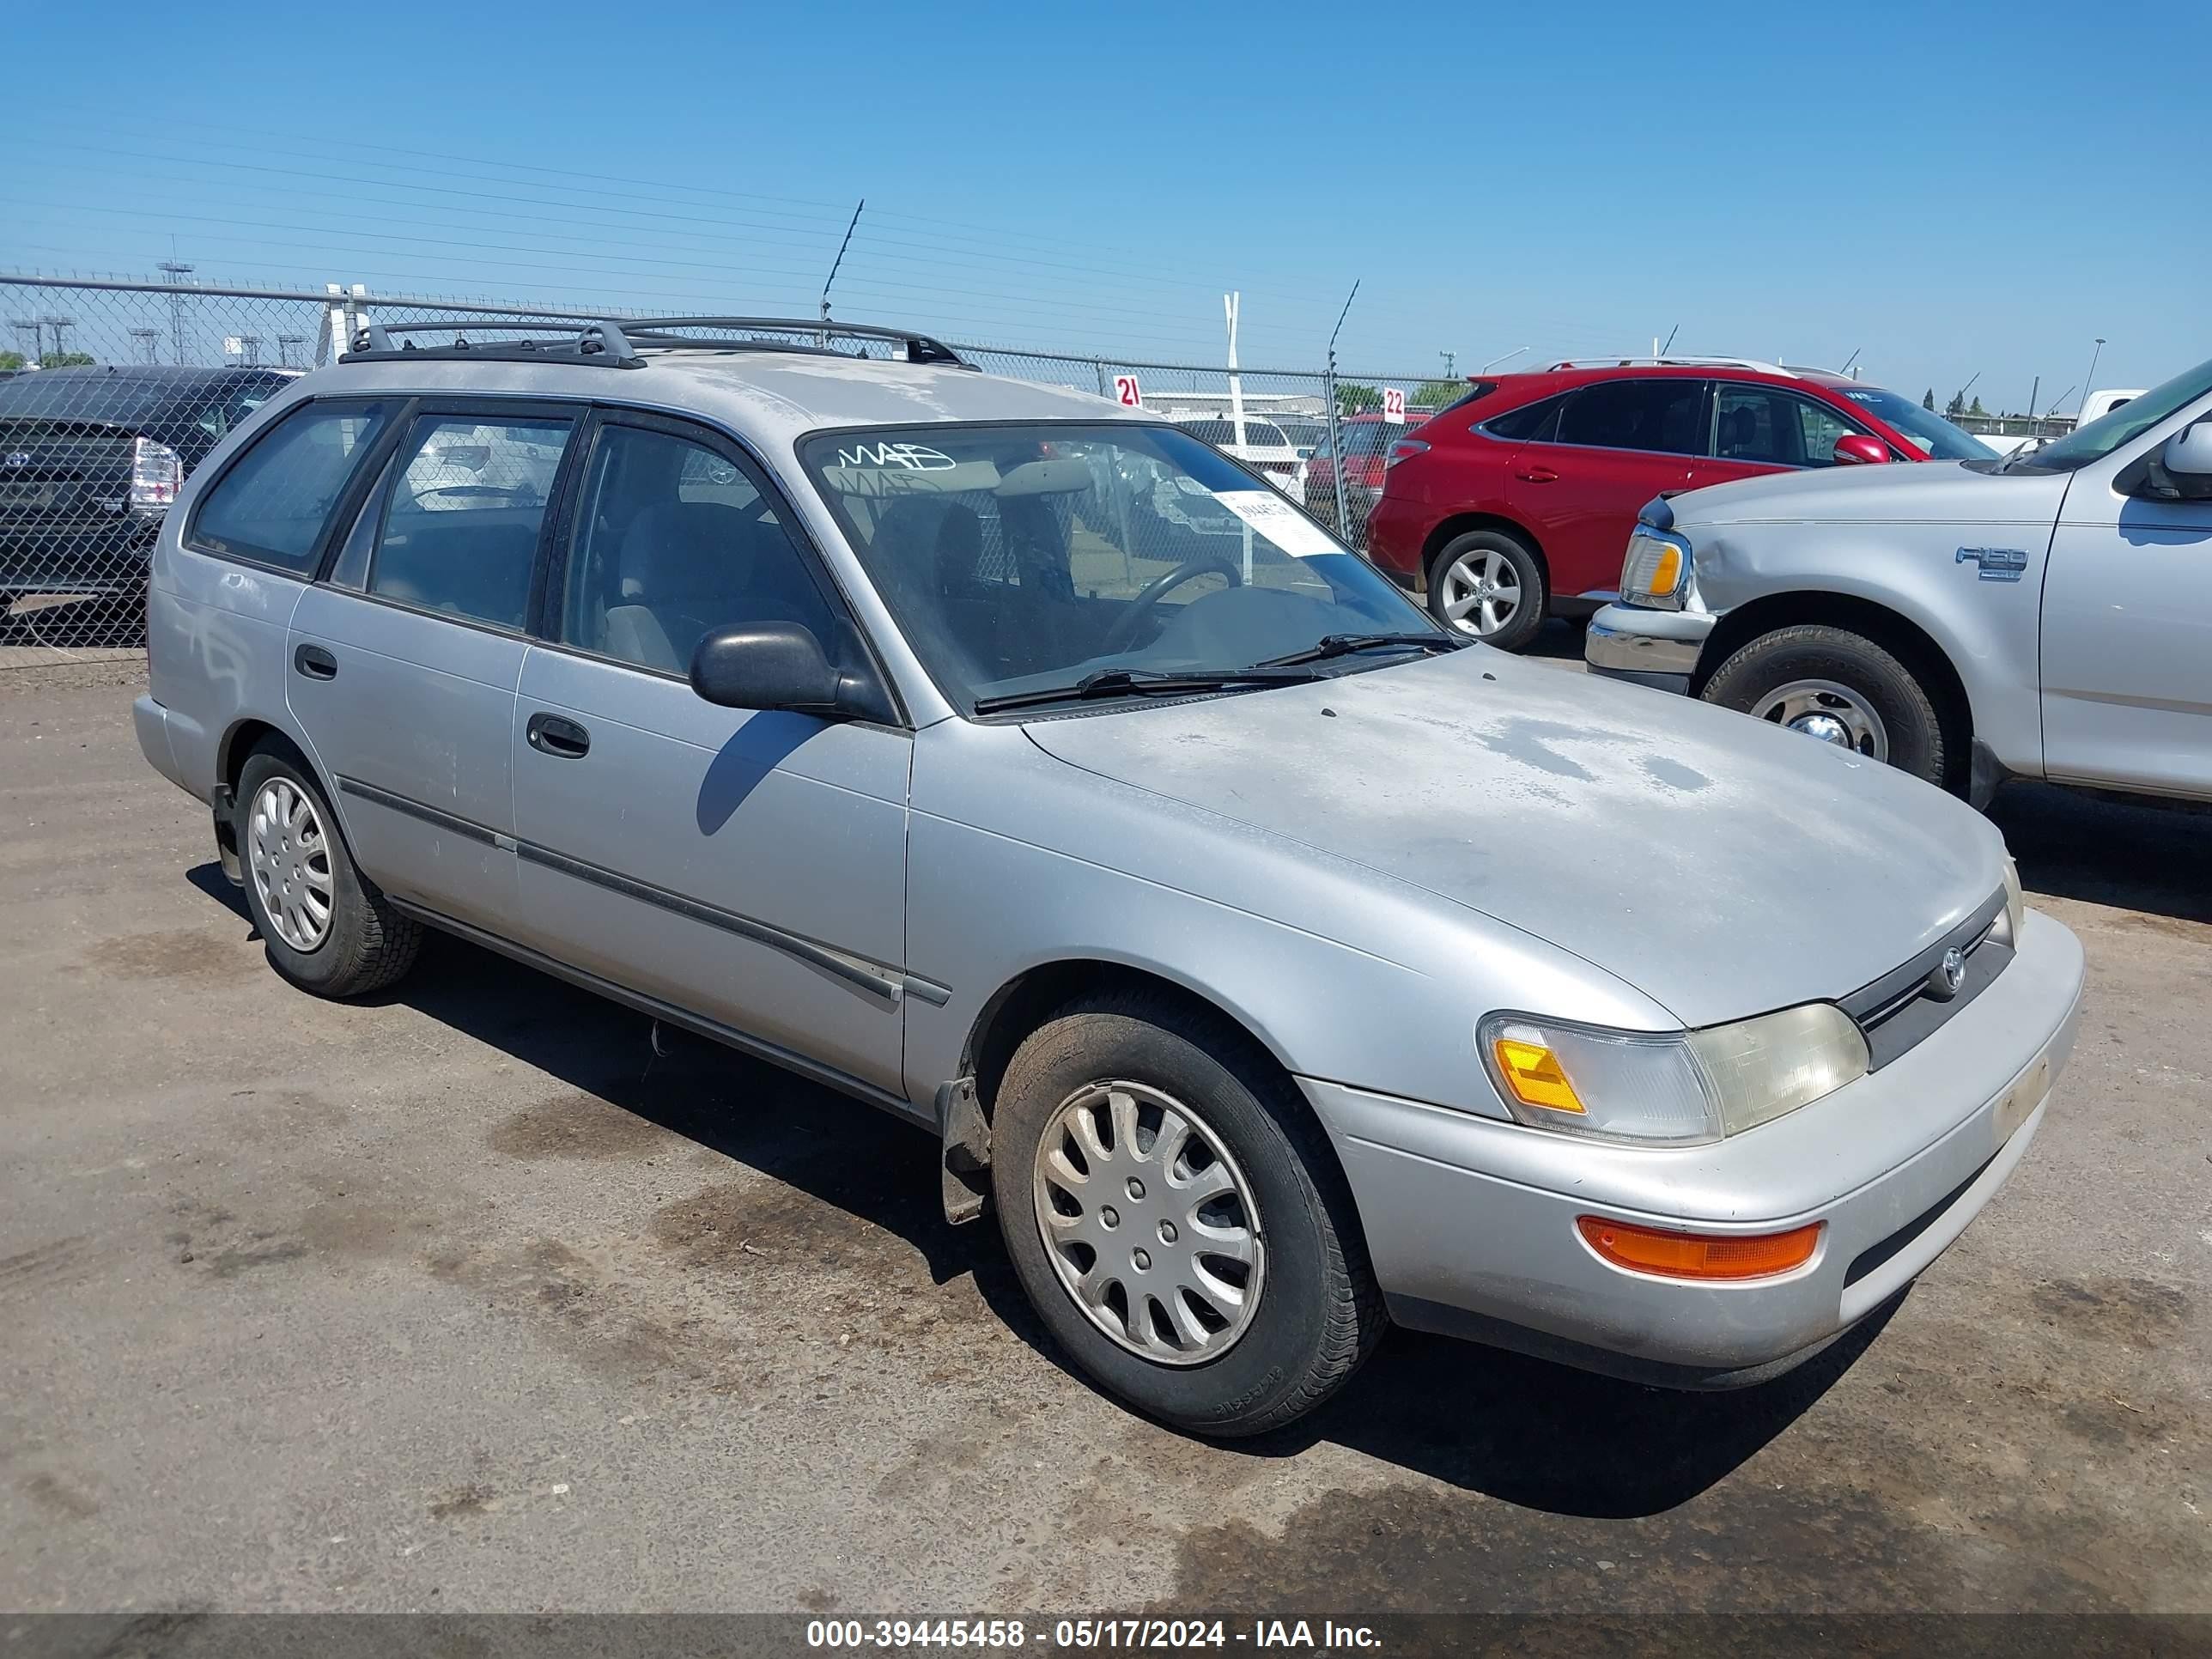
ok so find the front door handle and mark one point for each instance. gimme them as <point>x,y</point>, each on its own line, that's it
<point>315,663</point>
<point>563,739</point>
<point>1535,475</point>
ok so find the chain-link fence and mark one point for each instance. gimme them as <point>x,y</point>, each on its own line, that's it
<point>114,390</point>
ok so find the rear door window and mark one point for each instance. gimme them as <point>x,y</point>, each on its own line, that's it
<point>1660,417</point>
<point>274,504</point>
<point>467,507</point>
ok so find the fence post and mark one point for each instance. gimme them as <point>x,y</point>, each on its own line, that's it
<point>1335,453</point>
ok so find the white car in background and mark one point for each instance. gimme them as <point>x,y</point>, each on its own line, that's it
<point>1261,445</point>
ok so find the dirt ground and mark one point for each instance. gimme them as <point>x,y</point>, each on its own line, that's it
<point>459,1299</point>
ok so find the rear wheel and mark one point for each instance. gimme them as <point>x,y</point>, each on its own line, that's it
<point>1488,584</point>
<point>1177,1219</point>
<point>1841,688</point>
<point>323,925</point>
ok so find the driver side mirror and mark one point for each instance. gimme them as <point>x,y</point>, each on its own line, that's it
<point>2185,461</point>
<point>1859,449</point>
<point>768,666</point>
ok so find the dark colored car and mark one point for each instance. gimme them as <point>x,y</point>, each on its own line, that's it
<point>90,459</point>
<point>1516,502</point>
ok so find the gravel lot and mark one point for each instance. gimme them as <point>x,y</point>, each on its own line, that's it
<point>459,1300</point>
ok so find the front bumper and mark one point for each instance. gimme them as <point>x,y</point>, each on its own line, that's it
<point>1650,648</point>
<point>1471,1220</point>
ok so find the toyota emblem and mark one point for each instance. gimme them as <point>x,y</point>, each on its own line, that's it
<point>1950,975</point>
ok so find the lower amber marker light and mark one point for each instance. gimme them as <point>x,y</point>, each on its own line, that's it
<point>1699,1256</point>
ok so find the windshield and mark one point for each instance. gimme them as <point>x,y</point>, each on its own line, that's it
<point>1927,431</point>
<point>2124,425</point>
<point>1019,558</point>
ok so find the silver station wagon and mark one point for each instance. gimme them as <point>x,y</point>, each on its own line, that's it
<point>1274,962</point>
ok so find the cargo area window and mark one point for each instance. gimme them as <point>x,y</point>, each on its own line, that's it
<point>273,504</point>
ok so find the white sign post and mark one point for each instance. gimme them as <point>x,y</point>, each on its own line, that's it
<point>1128,392</point>
<point>1393,405</point>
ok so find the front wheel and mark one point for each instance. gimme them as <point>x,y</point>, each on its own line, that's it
<point>1838,687</point>
<point>1489,584</point>
<point>1177,1220</point>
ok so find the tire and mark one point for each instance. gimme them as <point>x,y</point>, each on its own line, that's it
<point>365,944</point>
<point>1908,730</point>
<point>1314,1311</point>
<point>1501,552</point>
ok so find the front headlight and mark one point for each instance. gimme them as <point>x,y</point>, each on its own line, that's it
<point>1675,1089</point>
<point>1656,570</point>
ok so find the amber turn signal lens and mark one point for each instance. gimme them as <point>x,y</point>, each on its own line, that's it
<point>1666,574</point>
<point>1533,1072</point>
<point>1699,1256</point>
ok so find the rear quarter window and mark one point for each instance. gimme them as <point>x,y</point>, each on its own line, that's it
<point>272,505</point>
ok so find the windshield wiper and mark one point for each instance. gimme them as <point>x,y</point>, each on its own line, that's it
<point>1140,682</point>
<point>1343,645</point>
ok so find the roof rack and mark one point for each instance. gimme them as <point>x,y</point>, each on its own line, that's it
<point>914,347</point>
<point>589,342</point>
<point>1675,362</point>
<point>615,345</point>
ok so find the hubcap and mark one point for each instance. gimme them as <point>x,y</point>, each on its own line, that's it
<point>290,858</point>
<point>1828,712</point>
<point>1480,592</point>
<point>1172,1268</point>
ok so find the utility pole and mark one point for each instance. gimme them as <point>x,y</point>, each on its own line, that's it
<point>60,325</point>
<point>176,270</point>
<point>284,344</point>
<point>146,337</point>
<point>27,336</point>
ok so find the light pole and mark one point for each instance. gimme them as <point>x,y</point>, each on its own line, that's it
<point>1450,359</point>
<point>176,270</point>
<point>146,337</point>
<point>2090,383</point>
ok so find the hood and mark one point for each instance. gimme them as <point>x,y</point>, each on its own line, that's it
<point>1721,866</point>
<point>1923,492</point>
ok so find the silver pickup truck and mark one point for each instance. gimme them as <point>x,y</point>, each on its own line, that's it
<point>2048,615</point>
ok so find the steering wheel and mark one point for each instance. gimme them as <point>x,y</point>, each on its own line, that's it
<point>1123,633</point>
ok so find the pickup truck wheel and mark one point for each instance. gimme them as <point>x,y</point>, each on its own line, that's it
<point>1178,1219</point>
<point>1488,584</point>
<point>323,926</point>
<point>1838,687</point>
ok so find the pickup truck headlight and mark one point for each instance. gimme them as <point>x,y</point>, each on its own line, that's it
<point>1656,571</point>
<point>1678,1089</point>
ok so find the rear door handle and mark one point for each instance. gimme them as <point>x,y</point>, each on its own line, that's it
<point>315,663</point>
<point>1535,474</point>
<point>563,739</point>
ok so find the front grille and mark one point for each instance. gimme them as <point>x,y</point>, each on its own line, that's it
<point>1896,1013</point>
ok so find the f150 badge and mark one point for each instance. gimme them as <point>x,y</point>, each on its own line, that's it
<point>1998,564</point>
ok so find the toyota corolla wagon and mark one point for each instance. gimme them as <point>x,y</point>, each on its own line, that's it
<point>1274,961</point>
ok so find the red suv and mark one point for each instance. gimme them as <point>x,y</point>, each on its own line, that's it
<point>1516,502</point>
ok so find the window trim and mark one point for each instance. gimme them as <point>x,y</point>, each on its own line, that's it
<point>342,509</point>
<point>545,619</point>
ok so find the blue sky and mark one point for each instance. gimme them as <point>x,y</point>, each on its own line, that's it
<point>1946,190</point>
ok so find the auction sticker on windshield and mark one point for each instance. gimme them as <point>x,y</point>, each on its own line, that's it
<point>1279,522</point>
